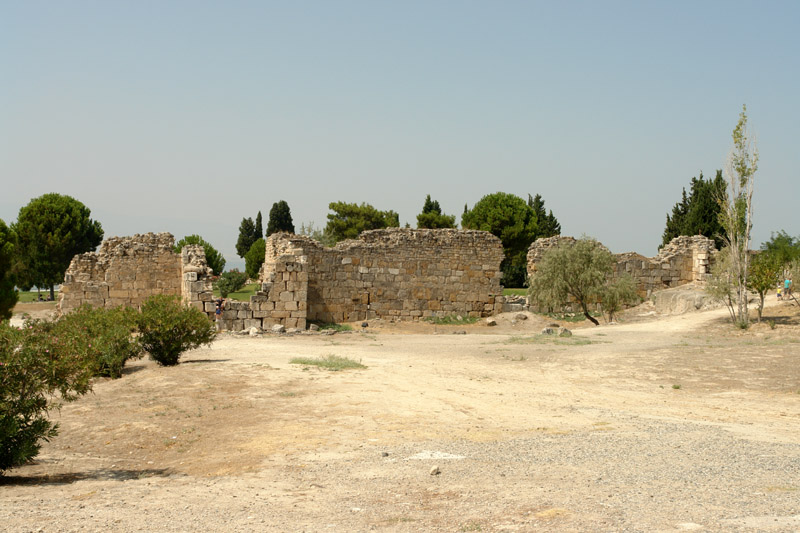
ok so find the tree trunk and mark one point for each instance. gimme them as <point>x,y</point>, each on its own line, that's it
<point>760,306</point>
<point>587,315</point>
<point>52,293</point>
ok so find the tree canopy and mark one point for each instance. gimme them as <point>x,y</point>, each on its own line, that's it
<point>432,216</point>
<point>214,259</point>
<point>259,230</point>
<point>783,247</point>
<point>347,221</point>
<point>698,212</point>
<point>248,234</point>
<point>254,258</point>
<point>547,223</point>
<point>8,296</point>
<point>280,218</point>
<point>50,231</point>
<point>513,221</point>
<point>579,270</point>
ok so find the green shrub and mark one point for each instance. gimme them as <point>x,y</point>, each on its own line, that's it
<point>231,281</point>
<point>35,363</point>
<point>167,328</point>
<point>103,335</point>
<point>329,362</point>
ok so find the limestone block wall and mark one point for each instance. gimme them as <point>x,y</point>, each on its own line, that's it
<point>393,273</point>
<point>124,271</point>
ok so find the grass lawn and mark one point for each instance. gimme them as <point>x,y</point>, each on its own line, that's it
<point>243,295</point>
<point>515,292</point>
<point>27,297</point>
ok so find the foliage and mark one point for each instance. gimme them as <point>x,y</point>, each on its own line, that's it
<point>34,366</point>
<point>50,231</point>
<point>247,236</point>
<point>259,230</point>
<point>449,320</point>
<point>736,214</point>
<point>103,336</point>
<point>231,281</point>
<point>280,219</point>
<point>698,213</point>
<point>513,221</point>
<point>347,221</point>
<point>515,292</point>
<point>325,239</point>
<point>214,259</point>
<point>578,270</point>
<point>617,294</point>
<point>168,328</point>
<point>432,217</point>
<point>765,272</point>
<point>783,247</point>
<point>720,285</point>
<point>547,223</point>
<point>243,294</point>
<point>329,362</point>
<point>8,296</point>
<point>334,327</point>
<point>254,258</point>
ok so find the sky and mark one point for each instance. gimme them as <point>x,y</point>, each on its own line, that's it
<point>187,116</point>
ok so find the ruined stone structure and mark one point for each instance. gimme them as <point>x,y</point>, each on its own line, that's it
<point>394,273</point>
<point>684,260</point>
<point>128,270</point>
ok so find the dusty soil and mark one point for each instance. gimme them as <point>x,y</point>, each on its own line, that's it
<point>653,424</point>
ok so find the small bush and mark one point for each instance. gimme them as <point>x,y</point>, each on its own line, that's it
<point>231,281</point>
<point>168,328</point>
<point>335,327</point>
<point>329,362</point>
<point>35,364</point>
<point>104,336</point>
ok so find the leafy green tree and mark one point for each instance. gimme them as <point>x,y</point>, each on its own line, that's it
<point>783,247</point>
<point>513,221</point>
<point>280,218</point>
<point>50,231</point>
<point>247,236</point>
<point>698,213</point>
<point>167,328</point>
<point>736,214</point>
<point>232,280</point>
<point>347,221</point>
<point>765,272</point>
<point>8,296</point>
<point>579,270</point>
<point>214,259</point>
<point>35,364</point>
<point>255,258</point>
<point>432,217</point>
<point>616,294</point>
<point>547,224</point>
<point>259,230</point>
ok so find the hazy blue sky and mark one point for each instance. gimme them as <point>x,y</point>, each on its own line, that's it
<point>185,116</point>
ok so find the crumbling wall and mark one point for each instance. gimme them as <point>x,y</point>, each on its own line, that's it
<point>684,260</point>
<point>128,270</point>
<point>393,273</point>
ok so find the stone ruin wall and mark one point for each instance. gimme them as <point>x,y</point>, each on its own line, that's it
<point>685,259</point>
<point>128,270</point>
<point>391,273</point>
<point>394,273</point>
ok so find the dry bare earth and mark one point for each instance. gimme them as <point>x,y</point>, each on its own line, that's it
<point>590,433</point>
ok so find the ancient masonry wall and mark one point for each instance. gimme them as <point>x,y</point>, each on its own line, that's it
<point>128,270</point>
<point>684,260</point>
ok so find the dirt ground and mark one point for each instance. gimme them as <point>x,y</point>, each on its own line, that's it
<point>657,423</point>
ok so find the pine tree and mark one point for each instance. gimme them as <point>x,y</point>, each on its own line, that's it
<point>432,217</point>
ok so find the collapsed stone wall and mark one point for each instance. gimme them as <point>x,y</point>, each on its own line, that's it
<point>128,270</point>
<point>685,259</point>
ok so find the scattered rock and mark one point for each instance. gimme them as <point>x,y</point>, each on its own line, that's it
<point>548,331</point>
<point>435,471</point>
<point>384,454</point>
<point>462,332</point>
<point>365,324</point>
<point>564,332</point>
<point>491,321</point>
<point>313,327</point>
<point>459,318</point>
<point>554,325</point>
<point>254,331</point>
<point>278,328</point>
<point>520,316</point>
